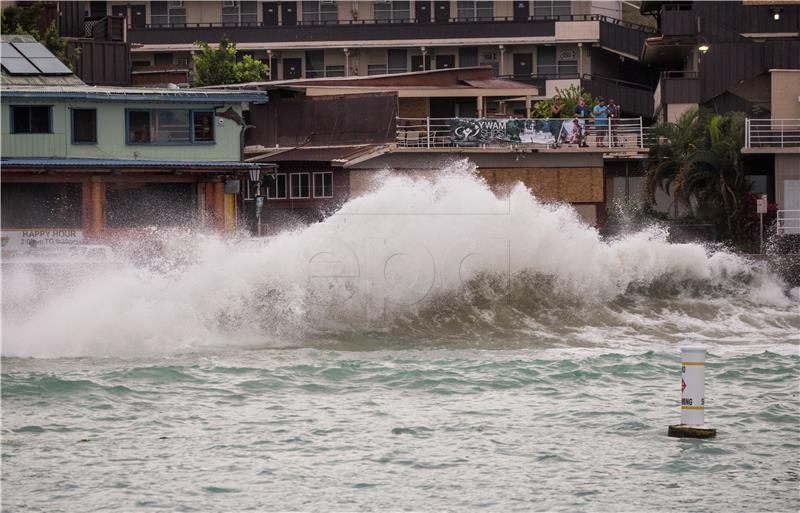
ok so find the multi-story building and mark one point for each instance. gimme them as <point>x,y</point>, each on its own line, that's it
<point>86,162</point>
<point>552,43</point>
<point>737,56</point>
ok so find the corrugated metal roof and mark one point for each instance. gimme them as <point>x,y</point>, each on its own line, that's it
<point>168,164</point>
<point>132,94</point>
<point>338,154</point>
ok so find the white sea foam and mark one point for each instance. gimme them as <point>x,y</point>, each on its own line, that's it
<point>412,257</point>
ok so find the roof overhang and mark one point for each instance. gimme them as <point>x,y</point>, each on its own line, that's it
<point>151,166</point>
<point>425,92</point>
<point>135,95</point>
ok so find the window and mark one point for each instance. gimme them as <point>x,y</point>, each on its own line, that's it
<point>474,10</point>
<point>315,63</point>
<point>323,185</point>
<point>239,13</point>
<point>300,187</point>
<point>567,62</point>
<point>170,126</point>
<point>84,126</point>
<point>150,204</point>
<point>162,59</point>
<point>551,8</point>
<point>398,12</point>
<point>203,122</point>
<point>276,186</point>
<point>324,11</point>
<point>168,14</point>
<point>377,69</point>
<point>40,205</point>
<point>29,119</point>
<point>334,71</point>
<point>467,56</point>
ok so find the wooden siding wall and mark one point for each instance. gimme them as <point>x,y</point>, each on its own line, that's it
<point>324,120</point>
<point>70,19</point>
<point>573,185</point>
<point>102,62</point>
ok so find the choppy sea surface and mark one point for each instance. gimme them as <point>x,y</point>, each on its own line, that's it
<point>431,347</point>
<point>405,430</point>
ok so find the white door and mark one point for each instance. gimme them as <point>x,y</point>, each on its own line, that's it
<point>791,198</point>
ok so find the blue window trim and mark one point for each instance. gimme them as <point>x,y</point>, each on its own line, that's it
<point>72,127</point>
<point>11,109</point>
<point>191,140</point>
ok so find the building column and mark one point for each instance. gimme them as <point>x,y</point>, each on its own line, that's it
<point>98,207</point>
<point>218,205</point>
<point>479,101</point>
<point>230,213</point>
<point>528,107</point>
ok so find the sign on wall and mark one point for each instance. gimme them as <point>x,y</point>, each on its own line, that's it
<point>478,131</point>
<point>23,239</point>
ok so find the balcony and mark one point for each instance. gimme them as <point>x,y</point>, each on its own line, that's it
<point>426,134</point>
<point>679,87</point>
<point>366,30</point>
<point>634,98</point>
<point>772,136</point>
<point>678,20</point>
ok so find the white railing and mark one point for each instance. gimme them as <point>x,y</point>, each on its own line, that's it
<point>772,133</point>
<point>788,222</point>
<point>622,133</point>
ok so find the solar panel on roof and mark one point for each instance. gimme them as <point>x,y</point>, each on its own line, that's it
<point>51,66</point>
<point>19,66</point>
<point>32,50</point>
<point>6,50</point>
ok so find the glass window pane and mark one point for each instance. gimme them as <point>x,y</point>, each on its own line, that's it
<point>139,127</point>
<point>310,11</point>
<point>484,10</point>
<point>465,10</point>
<point>382,11</point>
<point>204,126</point>
<point>171,126</point>
<point>40,120</point>
<point>159,8</point>
<point>22,119</point>
<point>328,12</point>
<point>84,126</point>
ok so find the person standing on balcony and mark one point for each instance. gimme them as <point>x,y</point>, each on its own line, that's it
<point>555,121</point>
<point>600,115</point>
<point>581,113</point>
<point>613,117</point>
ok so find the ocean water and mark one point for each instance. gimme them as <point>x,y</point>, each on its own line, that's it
<point>431,347</point>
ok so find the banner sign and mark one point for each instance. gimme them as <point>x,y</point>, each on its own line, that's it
<point>23,239</point>
<point>479,131</point>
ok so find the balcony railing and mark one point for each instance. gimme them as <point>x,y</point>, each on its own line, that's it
<point>772,133</point>
<point>358,30</point>
<point>613,134</point>
<point>482,19</point>
<point>788,222</point>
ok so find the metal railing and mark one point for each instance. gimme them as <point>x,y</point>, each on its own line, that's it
<point>614,133</point>
<point>788,222</point>
<point>432,21</point>
<point>772,133</point>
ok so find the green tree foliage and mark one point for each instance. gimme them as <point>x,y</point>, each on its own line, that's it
<point>698,161</point>
<point>569,99</point>
<point>24,20</point>
<point>218,66</point>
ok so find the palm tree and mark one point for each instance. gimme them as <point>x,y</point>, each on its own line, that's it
<point>698,161</point>
<point>670,158</point>
<point>716,173</point>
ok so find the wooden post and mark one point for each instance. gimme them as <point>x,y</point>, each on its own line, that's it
<point>479,101</point>
<point>230,213</point>
<point>219,206</point>
<point>98,208</point>
<point>528,106</point>
<point>86,207</point>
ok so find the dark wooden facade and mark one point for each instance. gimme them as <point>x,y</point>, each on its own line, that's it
<point>325,120</point>
<point>102,62</point>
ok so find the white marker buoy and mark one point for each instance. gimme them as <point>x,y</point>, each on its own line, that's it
<point>693,401</point>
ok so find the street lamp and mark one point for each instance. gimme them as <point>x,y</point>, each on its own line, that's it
<point>255,176</point>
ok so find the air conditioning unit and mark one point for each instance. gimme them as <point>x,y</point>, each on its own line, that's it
<point>328,2</point>
<point>230,3</point>
<point>175,4</point>
<point>490,56</point>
